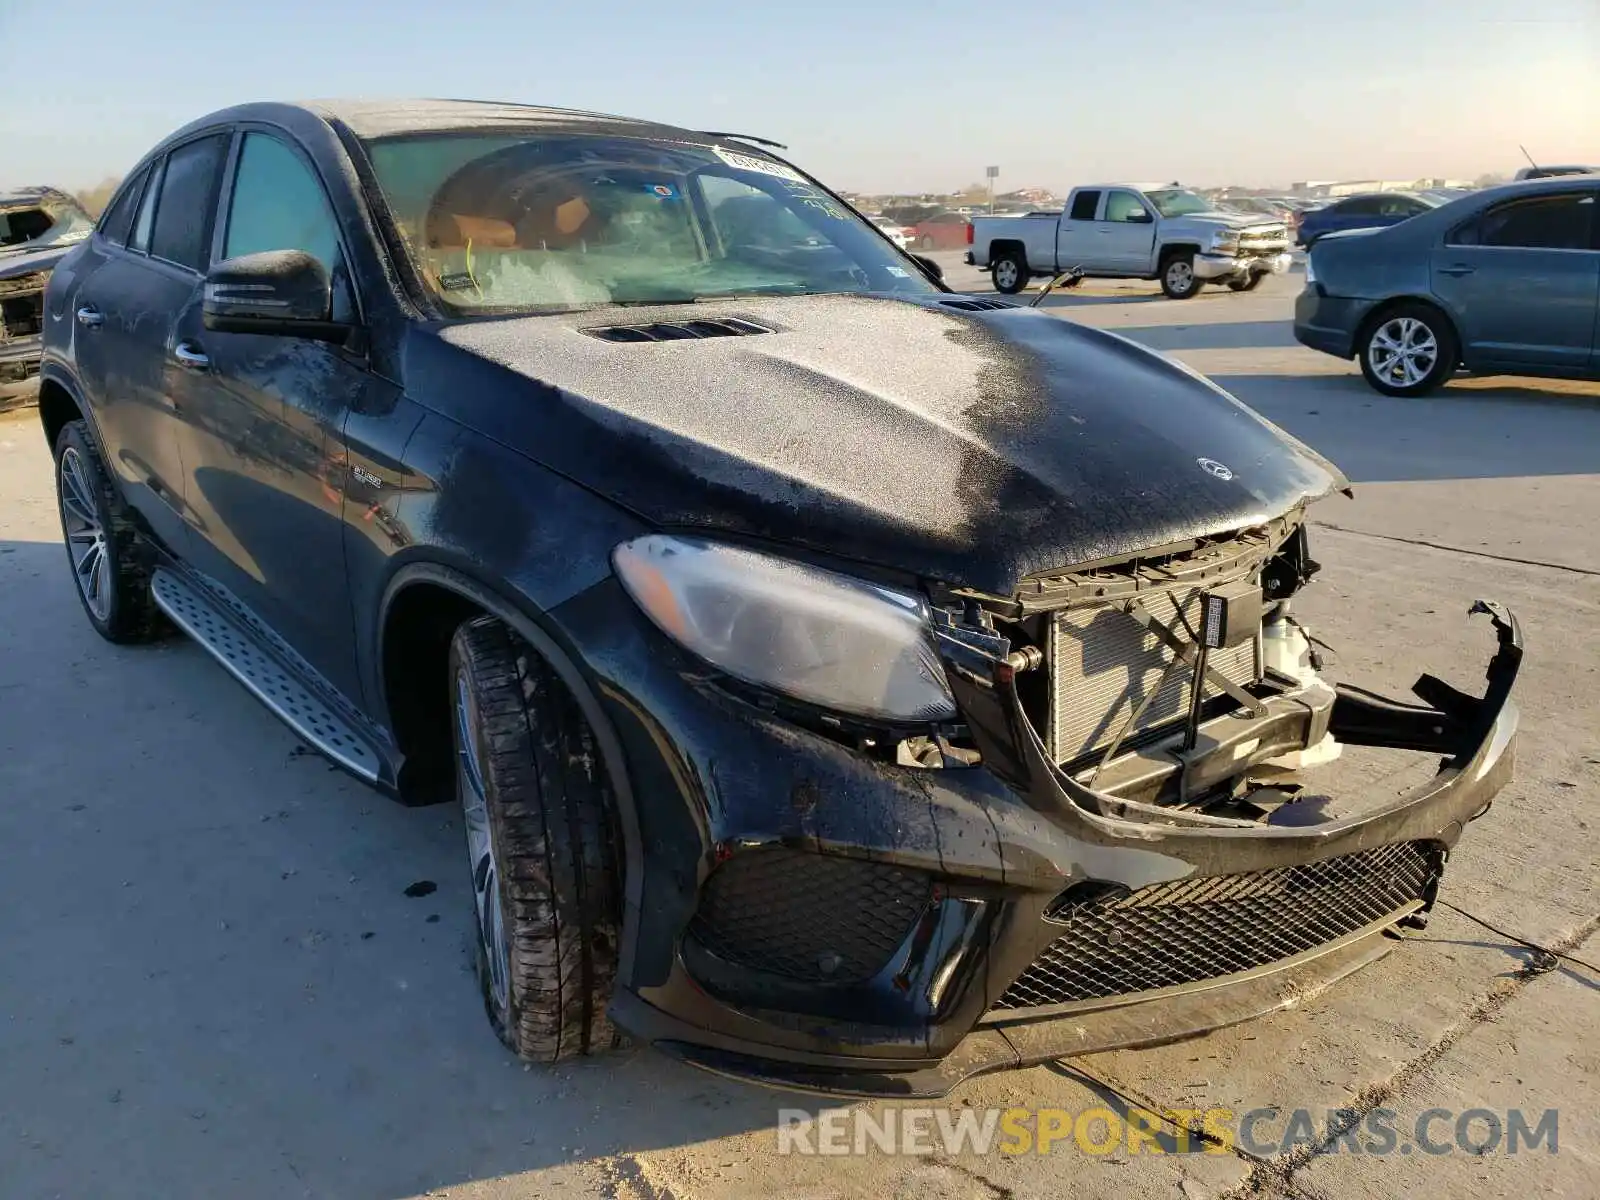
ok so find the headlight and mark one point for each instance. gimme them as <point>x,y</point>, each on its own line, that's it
<point>840,643</point>
<point>1225,240</point>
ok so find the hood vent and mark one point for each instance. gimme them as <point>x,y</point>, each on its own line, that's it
<point>978,305</point>
<point>670,331</point>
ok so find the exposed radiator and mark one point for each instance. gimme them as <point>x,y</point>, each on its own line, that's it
<point>1103,664</point>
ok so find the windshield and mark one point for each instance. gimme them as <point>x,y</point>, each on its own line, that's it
<point>508,223</point>
<point>1178,202</point>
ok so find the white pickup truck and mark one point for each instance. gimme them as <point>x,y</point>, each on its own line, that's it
<point>1132,231</point>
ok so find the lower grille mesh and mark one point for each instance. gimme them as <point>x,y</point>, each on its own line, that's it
<point>1196,929</point>
<point>808,916</point>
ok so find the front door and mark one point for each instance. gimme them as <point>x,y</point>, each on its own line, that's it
<point>264,419</point>
<point>1521,281</point>
<point>1127,232</point>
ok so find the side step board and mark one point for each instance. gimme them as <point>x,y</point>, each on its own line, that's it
<point>263,674</point>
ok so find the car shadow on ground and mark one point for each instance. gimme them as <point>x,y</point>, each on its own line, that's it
<point>226,978</point>
<point>1464,431</point>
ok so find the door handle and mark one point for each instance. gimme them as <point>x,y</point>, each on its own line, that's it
<point>1458,270</point>
<point>91,317</point>
<point>190,356</point>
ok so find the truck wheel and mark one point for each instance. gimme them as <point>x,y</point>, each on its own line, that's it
<point>1408,350</point>
<point>1249,283</point>
<point>1009,269</point>
<point>542,844</point>
<point>1178,279</point>
<point>109,563</point>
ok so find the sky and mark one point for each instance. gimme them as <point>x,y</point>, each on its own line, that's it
<point>869,95</point>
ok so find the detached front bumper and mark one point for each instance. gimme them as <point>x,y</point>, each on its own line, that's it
<point>1233,266</point>
<point>822,921</point>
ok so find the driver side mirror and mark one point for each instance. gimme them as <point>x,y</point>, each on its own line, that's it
<point>283,293</point>
<point>929,267</point>
<point>1141,217</point>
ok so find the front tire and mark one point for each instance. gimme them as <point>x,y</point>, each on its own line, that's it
<point>542,844</point>
<point>1409,350</point>
<point>1178,280</point>
<point>110,565</point>
<point>1009,270</point>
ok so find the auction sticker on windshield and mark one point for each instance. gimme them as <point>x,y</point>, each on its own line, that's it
<point>746,162</point>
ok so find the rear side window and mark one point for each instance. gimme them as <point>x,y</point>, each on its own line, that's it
<point>1083,206</point>
<point>188,197</point>
<point>118,218</point>
<point>1560,222</point>
<point>1367,206</point>
<point>140,238</point>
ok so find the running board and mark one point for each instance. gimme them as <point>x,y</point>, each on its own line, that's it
<point>296,705</point>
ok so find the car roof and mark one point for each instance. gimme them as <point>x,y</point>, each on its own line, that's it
<point>378,118</point>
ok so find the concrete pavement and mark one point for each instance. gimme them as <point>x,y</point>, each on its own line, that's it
<point>215,984</point>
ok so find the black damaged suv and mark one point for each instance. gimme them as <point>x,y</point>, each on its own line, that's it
<point>846,682</point>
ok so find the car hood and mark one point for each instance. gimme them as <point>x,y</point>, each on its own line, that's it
<point>30,257</point>
<point>1226,220</point>
<point>975,447</point>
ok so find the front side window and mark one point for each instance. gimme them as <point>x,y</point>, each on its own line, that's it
<point>1124,207</point>
<point>188,196</point>
<point>279,204</point>
<point>1178,202</point>
<point>1365,206</point>
<point>509,223</point>
<point>1560,222</point>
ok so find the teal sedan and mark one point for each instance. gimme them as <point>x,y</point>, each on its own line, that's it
<point>1505,281</point>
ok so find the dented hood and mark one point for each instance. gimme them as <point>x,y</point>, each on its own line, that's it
<point>975,447</point>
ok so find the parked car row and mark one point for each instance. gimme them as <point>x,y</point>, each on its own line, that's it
<point>844,682</point>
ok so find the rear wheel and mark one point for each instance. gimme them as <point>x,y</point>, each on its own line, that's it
<point>110,565</point>
<point>542,847</point>
<point>1178,279</point>
<point>1009,270</point>
<point>1409,350</point>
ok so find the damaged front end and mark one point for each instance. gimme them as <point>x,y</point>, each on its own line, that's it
<point>1173,862</point>
<point>38,227</point>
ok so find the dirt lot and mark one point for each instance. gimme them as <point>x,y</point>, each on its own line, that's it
<point>215,983</point>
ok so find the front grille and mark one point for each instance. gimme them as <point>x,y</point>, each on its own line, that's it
<point>1104,664</point>
<point>1191,930</point>
<point>1265,241</point>
<point>808,916</point>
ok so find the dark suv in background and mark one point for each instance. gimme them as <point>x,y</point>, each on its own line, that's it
<point>844,682</point>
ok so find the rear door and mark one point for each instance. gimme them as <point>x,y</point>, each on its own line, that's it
<point>1127,232</point>
<point>264,420</point>
<point>127,308</point>
<point>1075,239</point>
<point>1521,281</point>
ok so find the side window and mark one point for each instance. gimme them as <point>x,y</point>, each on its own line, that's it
<point>1365,207</point>
<point>140,240</point>
<point>279,204</point>
<point>188,196</point>
<point>1560,222</point>
<point>1084,205</point>
<point>118,218</point>
<point>748,217</point>
<point>1124,206</point>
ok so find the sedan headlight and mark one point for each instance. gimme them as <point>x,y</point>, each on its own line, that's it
<point>1225,241</point>
<point>833,641</point>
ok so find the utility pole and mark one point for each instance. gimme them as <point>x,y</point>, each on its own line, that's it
<point>992,172</point>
